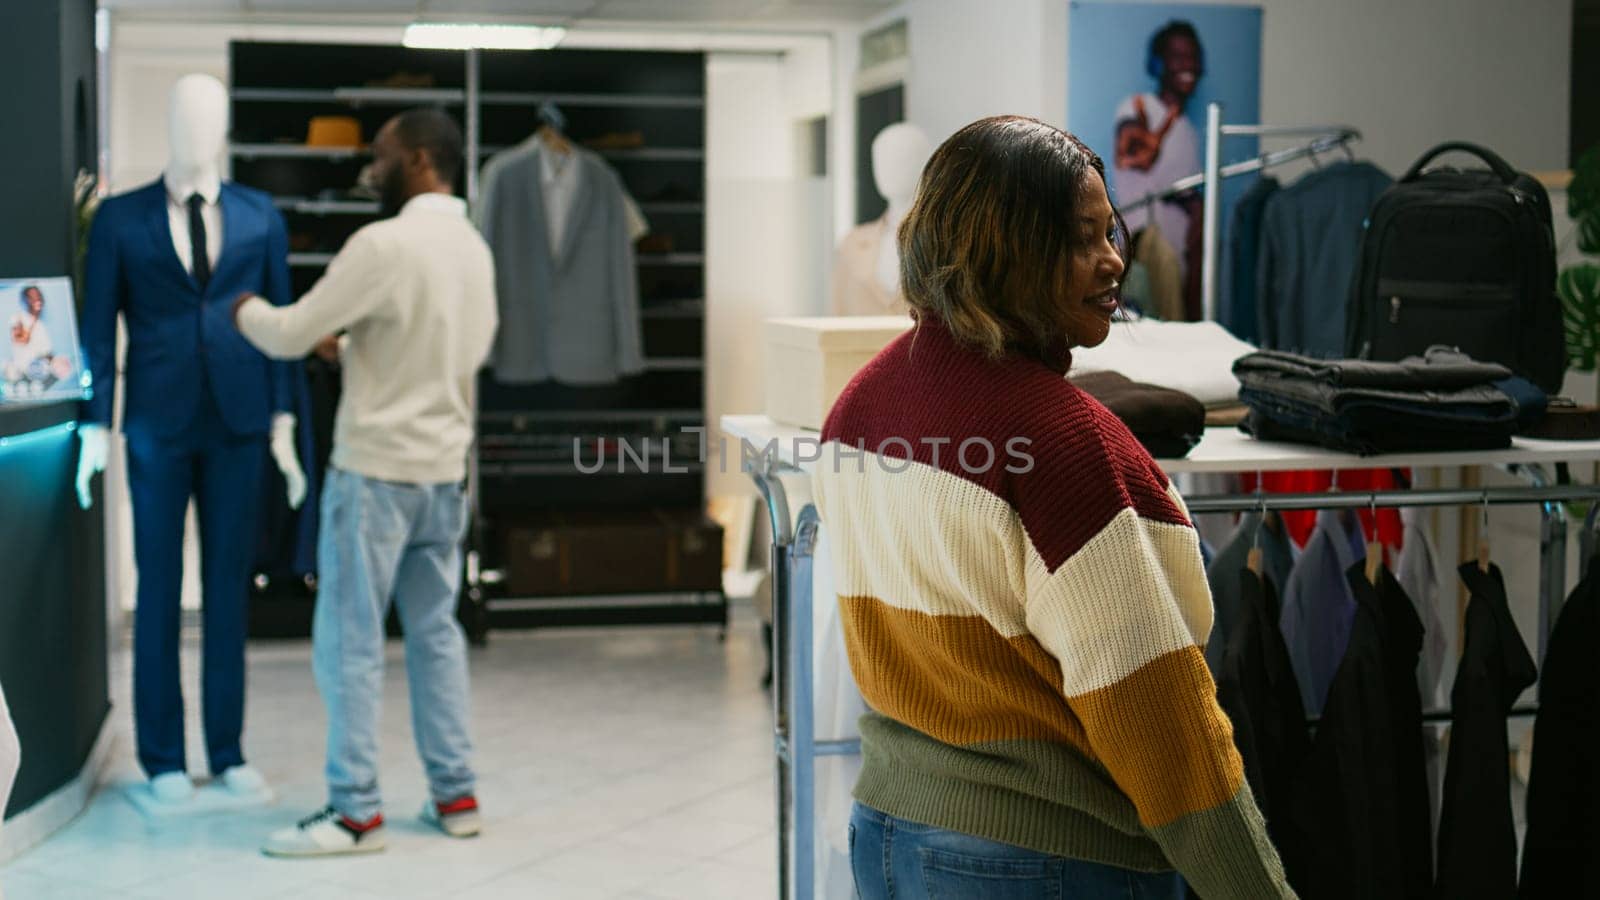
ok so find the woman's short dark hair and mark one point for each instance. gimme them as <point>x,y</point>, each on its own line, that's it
<point>988,243</point>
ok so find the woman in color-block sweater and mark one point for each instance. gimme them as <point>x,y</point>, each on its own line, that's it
<point>1022,591</point>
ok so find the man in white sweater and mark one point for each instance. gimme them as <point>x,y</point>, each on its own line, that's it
<point>414,296</point>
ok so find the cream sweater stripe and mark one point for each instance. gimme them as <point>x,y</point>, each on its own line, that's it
<point>967,559</point>
<point>1134,593</point>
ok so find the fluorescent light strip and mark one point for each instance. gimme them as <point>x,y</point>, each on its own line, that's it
<point>453,36</point>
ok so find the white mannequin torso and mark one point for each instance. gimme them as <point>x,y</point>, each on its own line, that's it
<point>866,279</point>
<point>887,268</point>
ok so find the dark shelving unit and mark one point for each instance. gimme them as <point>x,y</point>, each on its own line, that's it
<point>649,107</point>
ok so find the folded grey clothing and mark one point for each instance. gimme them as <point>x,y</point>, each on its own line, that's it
<point>1482,400</point>
<point>1439,368</point>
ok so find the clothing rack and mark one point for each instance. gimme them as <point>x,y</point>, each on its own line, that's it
<point>795,529</point>
<point>1317,139</point>
<point>1330,139</point>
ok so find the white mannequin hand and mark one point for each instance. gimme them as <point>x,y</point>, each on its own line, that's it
<point>288,461</point>
<point>95,442</point>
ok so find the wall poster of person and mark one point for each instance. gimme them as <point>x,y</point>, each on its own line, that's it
<point>1139,78</point>
<point>39,354</point>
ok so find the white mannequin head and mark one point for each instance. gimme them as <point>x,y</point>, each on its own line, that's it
<point>197,124</point>
<point>898,154</point>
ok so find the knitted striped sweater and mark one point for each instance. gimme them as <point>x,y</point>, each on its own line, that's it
<point>1026,633</point>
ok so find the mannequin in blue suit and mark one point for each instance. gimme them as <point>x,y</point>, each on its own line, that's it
<point>199,409</point>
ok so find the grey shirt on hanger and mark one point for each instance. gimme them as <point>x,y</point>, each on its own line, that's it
<point>1226,575</point>
<point>571,315</point>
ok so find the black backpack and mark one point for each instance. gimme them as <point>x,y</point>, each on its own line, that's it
<point>1464,258</point>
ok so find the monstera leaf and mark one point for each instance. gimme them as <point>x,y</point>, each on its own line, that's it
<point>1579,287</point>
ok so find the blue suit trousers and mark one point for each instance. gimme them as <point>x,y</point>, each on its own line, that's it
<point>222,471</point>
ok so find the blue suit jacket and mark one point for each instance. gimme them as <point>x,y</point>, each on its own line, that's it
<point>179,337</point>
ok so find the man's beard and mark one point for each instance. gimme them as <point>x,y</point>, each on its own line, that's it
<point>392,193</point>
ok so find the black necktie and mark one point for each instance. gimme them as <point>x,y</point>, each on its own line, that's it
<point>197,242</point>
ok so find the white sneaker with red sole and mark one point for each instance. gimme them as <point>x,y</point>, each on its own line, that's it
<point>327,834</point>
<point>458,818</point>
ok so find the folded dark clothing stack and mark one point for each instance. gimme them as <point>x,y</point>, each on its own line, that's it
<point>1444,400</point>
<point>1167,422</point>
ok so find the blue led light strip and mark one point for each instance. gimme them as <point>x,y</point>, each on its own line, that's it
<point>18,440</point>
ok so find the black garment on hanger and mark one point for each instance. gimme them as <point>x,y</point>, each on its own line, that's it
<point>1257,689</point>
<point>1477,837</point>
<point>1402,648</point>
<point>1561,854</point>
<point>1365,787</point>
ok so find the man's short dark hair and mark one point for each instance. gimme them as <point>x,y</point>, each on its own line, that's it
<point>433,131</point>
<point>22,296</point>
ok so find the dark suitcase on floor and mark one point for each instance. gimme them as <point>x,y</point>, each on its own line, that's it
<point>1463,258</point>
<point>578,554</point>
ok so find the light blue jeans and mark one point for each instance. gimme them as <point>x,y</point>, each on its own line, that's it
<point>895,859</point>
<point>382,540</point>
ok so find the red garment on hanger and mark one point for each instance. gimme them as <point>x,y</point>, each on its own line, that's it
<point>1318,481</point>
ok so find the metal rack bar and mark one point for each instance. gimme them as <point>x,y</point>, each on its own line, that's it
<point>327,207</point>
<point>666,101</point>
<point>352,95</point>
<point>1221,503</point>
<point>295,151</point>
<point>1212,211</point>
<point>474,123</point>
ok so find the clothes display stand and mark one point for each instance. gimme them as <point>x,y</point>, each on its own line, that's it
<point>779,457</point>
<point>1315,140</point>
<point>304,115</point>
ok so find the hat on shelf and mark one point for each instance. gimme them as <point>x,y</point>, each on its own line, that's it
<point>334,131</point>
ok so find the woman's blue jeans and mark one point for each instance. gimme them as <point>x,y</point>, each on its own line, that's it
<point>894,858</point>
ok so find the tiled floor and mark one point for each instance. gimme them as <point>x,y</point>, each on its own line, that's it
<point>614,763</point>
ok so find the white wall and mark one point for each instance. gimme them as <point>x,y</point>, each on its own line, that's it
<point>973,59</point>
<point>768,231</point>
<point>1413,73</point>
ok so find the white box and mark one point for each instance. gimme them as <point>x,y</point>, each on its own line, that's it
<point>810,360</point>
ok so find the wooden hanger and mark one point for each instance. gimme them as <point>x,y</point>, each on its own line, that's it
<point>1255,559</point>
<point>1483,537</point>
<point>1374,548</point>
<point>554,140</point>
